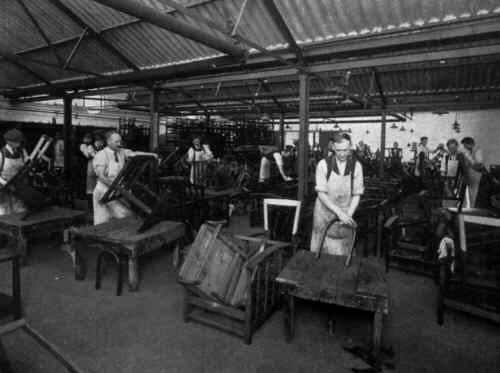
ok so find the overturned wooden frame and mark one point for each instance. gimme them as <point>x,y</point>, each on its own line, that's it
<point>131,178</point>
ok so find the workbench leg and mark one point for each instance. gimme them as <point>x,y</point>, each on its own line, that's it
<point>78,265</point>
<point>380,234</point>
<point>378,319</point>
<point>16,288</point>
<point>22,247</point>
<point>178,253</point>
<point>133,273</point>
<point>187,307</point>
<point>289,317</point>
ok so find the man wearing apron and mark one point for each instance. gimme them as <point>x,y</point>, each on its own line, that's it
<point>12,158</point>
<point>473,167</point>
<point>107,165</point>
<point>338,197</point>
<point>197,156</point>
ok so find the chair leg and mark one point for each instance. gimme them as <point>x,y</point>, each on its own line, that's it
<point>98,270</point>
<point>119,280</point>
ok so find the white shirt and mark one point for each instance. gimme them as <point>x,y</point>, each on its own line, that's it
<point>59,153</point>
<point>265,166</point>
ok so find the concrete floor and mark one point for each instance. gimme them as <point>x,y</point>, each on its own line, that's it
<point>143,332</point>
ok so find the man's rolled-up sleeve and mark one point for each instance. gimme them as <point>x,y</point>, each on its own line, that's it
<point>321,181</point>
<point>100,163</point>
<point>358,187</point>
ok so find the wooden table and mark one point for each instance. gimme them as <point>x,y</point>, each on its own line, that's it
<point>121,235</point>
<point>53,219</point>
<point>362,285</point>
<point>10,304</point>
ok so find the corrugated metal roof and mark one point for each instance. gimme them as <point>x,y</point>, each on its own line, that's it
<point>147,46</point>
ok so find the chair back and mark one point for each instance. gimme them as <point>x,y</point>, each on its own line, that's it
<point>281,224</point>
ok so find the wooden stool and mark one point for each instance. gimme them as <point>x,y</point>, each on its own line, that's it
<point>11,304</point>
<point>120,261</point>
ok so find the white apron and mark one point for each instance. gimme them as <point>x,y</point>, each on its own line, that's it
<point>9,204</point>
<point>339,237</point>
<point>103,212</point>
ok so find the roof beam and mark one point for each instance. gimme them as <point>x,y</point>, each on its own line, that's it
<point>75,48</point>
<point>58,67</point>
<point>283,28</point>
<point>40,30</point>
<point>17,61</point>
<point>234,35</point>
<point>376,76</point>
<point>223,44</point>
<point>207,65</point>
<point>75,18</point>
<point>359,63</point>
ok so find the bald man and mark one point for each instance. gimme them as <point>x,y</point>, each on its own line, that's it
<point>107,164</point>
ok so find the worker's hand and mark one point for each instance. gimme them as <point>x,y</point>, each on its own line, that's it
<point>346,219</point>
<point>288,178</point>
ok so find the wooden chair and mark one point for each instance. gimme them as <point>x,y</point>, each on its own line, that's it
<point>412,235</point>
<point>135,183</point>
<point>230,282</point>
<point>469,277</point>
<point>277,225</point>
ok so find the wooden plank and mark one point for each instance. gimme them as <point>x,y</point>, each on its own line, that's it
<point>12,326</point>
<point>216,307</point>
<point>218,321</point>
<point>372,290</point>
<point>124,231</point>
<point>53,213</point>
<point>468,308</point>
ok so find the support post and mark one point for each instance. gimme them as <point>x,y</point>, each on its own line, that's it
<point>383,125</point>
<point>155,119</point>
<point>282,131</point>
<point>67,133</point>
<point>303,135</point>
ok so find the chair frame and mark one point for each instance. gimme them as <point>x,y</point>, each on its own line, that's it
<point>282,202</point>
<point>472,216</point>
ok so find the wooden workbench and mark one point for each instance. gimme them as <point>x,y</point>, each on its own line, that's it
<point>362,285</point>
<point>121,235</point>
<point>52,219</point>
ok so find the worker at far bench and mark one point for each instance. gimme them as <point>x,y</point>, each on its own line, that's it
<point>271,165</point>
<point>12,158</point>
<point>108,163</point>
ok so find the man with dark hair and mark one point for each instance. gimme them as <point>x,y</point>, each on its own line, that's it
<point>473,167</point>
<point>271,165</point>
<point>339,184</point>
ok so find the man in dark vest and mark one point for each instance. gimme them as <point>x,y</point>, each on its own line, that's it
<point>271,165</point>
<point>12,159</point>
<point>339,184</point>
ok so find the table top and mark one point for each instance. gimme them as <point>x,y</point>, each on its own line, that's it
<point>48,214</point>
<point>222,192</point>
<point>361,285</point>
<point>124,231</point>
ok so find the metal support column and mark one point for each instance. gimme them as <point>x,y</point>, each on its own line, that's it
<point>155,119</point>
<point>303,135</point>
<point>282,131</point>
<point>383,125</point>
<point>67,127</point>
